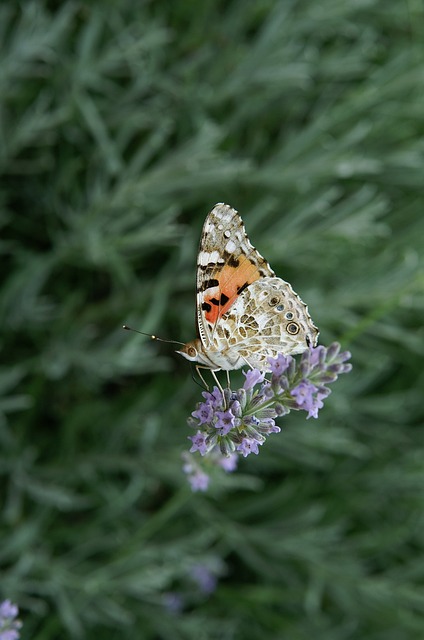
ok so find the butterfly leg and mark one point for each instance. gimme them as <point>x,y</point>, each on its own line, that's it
<point>215,377</point>
<point>201,377</point>
<point>228,379</point>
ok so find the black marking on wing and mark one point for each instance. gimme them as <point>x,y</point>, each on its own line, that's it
<point>233,261</point>
<point>221,302</point>
<point>208,284</point>
<point>242,288</point>
<point>211,266</point>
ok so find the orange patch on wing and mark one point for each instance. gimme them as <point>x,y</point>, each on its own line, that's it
<point>232,281</point>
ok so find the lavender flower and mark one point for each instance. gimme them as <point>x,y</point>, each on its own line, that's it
<point>204,578</point>
<point>9,626</point>
<point>248,445</point>
<point>225,421</point>
<point>228,463</point>
<point>198,479</point>
<point>233,423</point>
<point>196,475</point>
<point>280,364</point>
<point>199,443</point>
<point>306,398</point>
<point>204,413</point>
<point>253,376</point>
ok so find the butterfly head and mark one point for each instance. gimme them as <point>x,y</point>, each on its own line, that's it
<point>194,352</point>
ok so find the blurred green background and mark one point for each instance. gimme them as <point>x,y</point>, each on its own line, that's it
<point>122,124</point>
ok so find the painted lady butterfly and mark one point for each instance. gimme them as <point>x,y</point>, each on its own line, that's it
<point>245,314</point>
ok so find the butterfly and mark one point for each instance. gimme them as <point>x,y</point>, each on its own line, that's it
<point>245,314</point>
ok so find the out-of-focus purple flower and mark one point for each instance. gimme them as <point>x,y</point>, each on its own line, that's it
<point>199,481</point>
<point>9,625</point>
<point>204,578</point>
<point>228,463</point>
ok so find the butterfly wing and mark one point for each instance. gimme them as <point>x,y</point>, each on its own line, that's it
<point>227,265</point>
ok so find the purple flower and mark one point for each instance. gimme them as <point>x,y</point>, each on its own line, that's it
<point>228,463</point>
<point>8,610</point>
<point>280,364</point>
<point>267,425</point>
<point>9,634</point>
<point>236,409</point>
<point>199,443</point>
<point>273,428</point>
<point>325,363</point>
<point>267,390</point>
<point>316,355</point>
<point>203,413</point>
<point>306,398</point>
<point>247,446</point>
<point>304,394</point>
<point>253,377</point>
<point>199,481</point>
<point>225,422</point>
<point>314,408</point>
<point>230,423</point>
<point>204,578</point>
<point>214,398</point>
<point>8,625</point>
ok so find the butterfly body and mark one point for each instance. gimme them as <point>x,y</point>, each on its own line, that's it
<point>245,313</point>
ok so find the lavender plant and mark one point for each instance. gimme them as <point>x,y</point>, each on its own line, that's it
<point>232,423</point>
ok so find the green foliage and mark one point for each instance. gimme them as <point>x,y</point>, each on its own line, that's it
<point>121,125</point>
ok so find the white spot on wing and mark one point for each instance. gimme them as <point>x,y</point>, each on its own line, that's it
<point>205,258</point>
<point>230,247</point>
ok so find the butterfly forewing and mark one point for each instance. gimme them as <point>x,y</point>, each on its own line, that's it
<point>227,265</point>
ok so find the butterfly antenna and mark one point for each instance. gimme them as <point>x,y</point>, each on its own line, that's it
<point>127,328</point>
<point>193,377</point>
